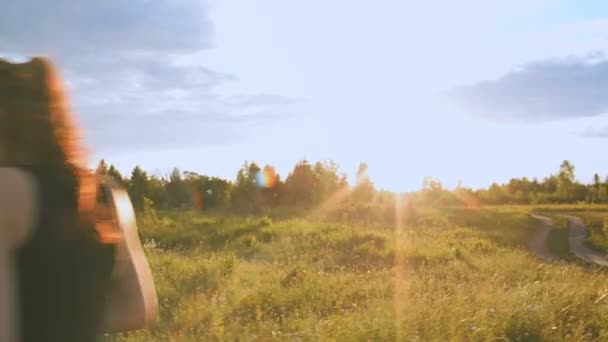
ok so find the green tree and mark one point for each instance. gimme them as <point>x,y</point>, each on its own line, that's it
<point>157,192</point>
<point>364,189</point>
<point>216,193</point>
<point>496,194</point>
<point>179,195</point>
<point>603,193</point>
<point>594,189</point>
<point>301,185</point>
<point>549,185</point>
<point>329,181</point>
<point>270,190</point>
<point>102,168</point>
<point>138,187</point>
<point>432,190</point>
<point>207,193</point>
<point>566,190</point>
<point>115,175</point>
<point>466,196</point>
<point>246,194</point>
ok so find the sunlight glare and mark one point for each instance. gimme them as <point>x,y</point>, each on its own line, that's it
<point>400,284</point>
<point>333,202</point>
<point>266,178</point>
<point>124,208</point>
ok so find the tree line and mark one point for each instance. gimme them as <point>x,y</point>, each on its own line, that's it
<point>254,189</point>
<point>559,188</point>
<point>257,189</point>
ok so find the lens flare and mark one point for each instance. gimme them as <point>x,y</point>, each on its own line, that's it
<point>124,207</point>
<point>266,178</point>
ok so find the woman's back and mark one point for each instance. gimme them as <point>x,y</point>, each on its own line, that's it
<point>63,268</point>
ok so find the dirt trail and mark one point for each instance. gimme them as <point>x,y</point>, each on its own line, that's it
<point>538,244</point>
<point>576,237</point>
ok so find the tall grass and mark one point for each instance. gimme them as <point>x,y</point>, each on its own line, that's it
<point>450,274</point>
<point>597,229</point>
<point>558,240</point>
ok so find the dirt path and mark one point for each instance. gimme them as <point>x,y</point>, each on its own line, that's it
<point>576,237</point>
<point>538,244</point>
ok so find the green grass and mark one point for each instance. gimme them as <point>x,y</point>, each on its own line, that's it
<point>449,274</point>
<point>593,216</point>
<point>557,241</point>
<point>597,234</point>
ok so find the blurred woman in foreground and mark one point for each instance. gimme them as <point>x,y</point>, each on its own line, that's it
<point>68,270</point>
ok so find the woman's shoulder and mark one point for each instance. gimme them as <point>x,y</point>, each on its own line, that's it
<point>17,204</point>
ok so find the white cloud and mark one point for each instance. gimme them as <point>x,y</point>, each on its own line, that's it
<point>571,87</point>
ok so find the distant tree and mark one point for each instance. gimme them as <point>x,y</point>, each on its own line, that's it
<point>329,181</point>
<point>110,171</point>
<point>364,189</point>
<point>157,192</point>
<point>179,195</point>
<point>301,185</point>
<point>566,172</point>
<point>138,187</point>
<point>465,196</point>
<point>206,193</point>
<point>597,183</point>
<point>102,168</point>
<point>246,194</point>
<point>362,173</point>
<point>270,187</point>
<point>518,191</point>
<point>566,190</point>
<point>603,192</point>
<point>116,176</point>
<point>594,189</point>
<point>432,190</point>
<point>216,193</point>
<point>496,194</point>
<point>549,185</point>
<point>192,187</point>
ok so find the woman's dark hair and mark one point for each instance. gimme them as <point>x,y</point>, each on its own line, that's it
<point>37,128</point>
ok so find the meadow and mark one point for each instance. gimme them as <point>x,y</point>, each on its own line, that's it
<point>428,274</point>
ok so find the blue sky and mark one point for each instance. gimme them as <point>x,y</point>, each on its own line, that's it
<point>477,91</point>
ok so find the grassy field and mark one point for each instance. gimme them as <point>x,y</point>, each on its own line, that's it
<point>451,274</point>
<point>557,241</point>
<point>597,233</point>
